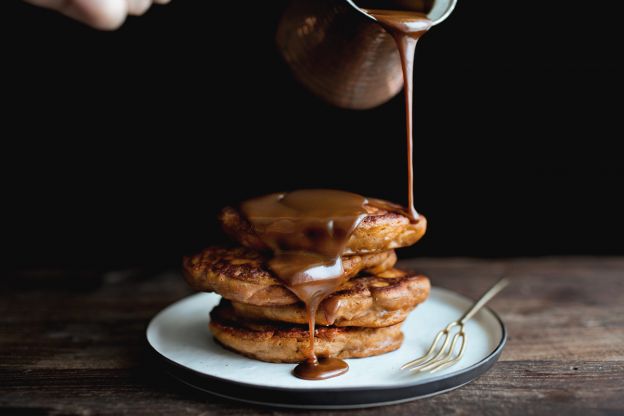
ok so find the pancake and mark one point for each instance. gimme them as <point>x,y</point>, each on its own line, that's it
<point>367,301</point>
<point>385,227</point>
<point>287,343</point>
<point>241,274</point>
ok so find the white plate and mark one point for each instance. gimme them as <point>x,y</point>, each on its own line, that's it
<point>179,335</point>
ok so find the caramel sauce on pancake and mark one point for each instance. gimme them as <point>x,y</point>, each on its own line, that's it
<point>287,223</point>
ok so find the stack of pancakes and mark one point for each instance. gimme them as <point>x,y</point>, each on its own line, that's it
<point>262,319</point>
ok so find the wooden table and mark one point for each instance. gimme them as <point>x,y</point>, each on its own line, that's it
<point>72,342</point>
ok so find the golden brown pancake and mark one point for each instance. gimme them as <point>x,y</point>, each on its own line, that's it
<point>385,227</point>
<point>241,274</point>
<point>288,343</point>
<point>367,301</point>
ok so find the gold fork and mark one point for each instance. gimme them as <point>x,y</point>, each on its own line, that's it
<point>438,359</point>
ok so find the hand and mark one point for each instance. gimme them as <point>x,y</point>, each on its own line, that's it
<point>100,14</point>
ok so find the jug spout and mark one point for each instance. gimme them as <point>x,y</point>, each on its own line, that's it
<point>341,54</point>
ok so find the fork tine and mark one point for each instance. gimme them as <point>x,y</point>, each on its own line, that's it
<point>443,347</point>
<point>454,360</point>
<point>426,358</point>
<point>448,358</point>
<point>442,356</point>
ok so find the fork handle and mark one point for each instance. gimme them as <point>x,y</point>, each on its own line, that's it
<point>493,291</point>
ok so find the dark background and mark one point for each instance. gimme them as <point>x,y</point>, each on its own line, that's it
<point>120,148</point>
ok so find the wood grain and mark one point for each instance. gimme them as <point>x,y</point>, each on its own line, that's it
<point>72,342</point>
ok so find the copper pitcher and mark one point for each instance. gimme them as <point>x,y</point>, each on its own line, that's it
<point>341,54</point>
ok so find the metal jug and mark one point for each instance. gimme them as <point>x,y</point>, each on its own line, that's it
<point>341,54</point>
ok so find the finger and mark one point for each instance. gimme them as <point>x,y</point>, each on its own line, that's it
<point>101,14</point>
<point>138,7</point>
